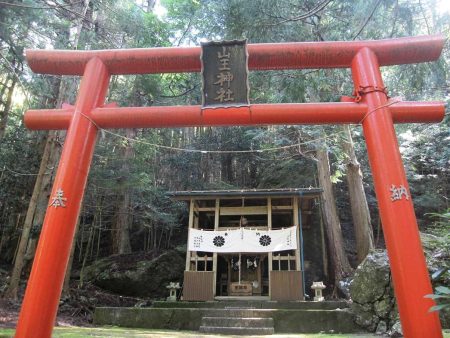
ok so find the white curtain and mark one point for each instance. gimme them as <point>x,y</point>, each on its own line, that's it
<point>242,240</point>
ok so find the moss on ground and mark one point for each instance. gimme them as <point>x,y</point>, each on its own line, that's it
<point>82,332</point>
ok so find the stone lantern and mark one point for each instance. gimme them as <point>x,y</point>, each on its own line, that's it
<point>318,287</point>
<point>173,287</point>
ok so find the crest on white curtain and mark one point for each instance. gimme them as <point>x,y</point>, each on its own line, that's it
<point>242,240</point>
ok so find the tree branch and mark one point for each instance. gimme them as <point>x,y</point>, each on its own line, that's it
<point>312,12</point>
<point>367,20</point>
<point>33,7</point>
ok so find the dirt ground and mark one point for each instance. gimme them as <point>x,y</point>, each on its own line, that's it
<point>75,309</point>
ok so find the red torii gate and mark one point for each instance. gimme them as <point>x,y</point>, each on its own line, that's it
<point>372,109</point>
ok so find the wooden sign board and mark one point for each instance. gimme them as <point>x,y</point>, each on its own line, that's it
<point>225,74</point>
<point>241,289</point>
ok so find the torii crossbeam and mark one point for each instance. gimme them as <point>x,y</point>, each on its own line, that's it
<point>372,109</point>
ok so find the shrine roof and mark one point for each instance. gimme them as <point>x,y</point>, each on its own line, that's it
<point>286,192</point>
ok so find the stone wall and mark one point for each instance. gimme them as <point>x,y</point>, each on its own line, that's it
<point>372,294</point>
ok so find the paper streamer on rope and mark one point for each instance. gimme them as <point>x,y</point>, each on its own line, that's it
<point>242,240</point>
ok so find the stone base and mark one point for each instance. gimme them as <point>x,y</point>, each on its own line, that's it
<point>288,317</point>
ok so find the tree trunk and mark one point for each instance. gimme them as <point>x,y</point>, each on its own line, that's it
<point>41,191</point>
<point>11,292</point>
<point>39,200</point>
<point>358,201</point>
<point>6,107</point>
<point>86,254</point>
<point>227,168</point>
<point>122,222</point>
<point>66,285</point>
<point>44,193</point>
<point>340,265</point>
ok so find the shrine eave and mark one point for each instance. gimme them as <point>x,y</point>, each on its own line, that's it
<point>185,195</point>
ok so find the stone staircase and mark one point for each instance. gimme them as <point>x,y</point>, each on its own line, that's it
<point>235,317</point>
<point>236,321</point>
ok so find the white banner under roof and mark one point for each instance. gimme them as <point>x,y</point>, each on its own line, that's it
<point>242,240</point>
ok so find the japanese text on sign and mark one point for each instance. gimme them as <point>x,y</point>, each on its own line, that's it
<point>224,74</point>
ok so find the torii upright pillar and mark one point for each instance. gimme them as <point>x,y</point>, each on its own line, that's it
<point>408,266</point>
<point>50,263</point>
<point>377,114</point>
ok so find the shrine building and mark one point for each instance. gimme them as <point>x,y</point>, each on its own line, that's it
<point>253,244</point>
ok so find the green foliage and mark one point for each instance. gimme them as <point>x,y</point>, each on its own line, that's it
<point>153,169</point>
<point>440,242</point>
<point>443,295</point>
<point>440,230</point>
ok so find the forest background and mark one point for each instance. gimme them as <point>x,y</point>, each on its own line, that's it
<point>126,209</point>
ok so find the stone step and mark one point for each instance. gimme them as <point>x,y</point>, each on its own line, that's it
<point>243,331</point>
<point>240,313</point>
<point>237,322</point>
<point>285,320</point>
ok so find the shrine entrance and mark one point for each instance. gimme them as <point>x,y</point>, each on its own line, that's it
<point>250,270</point>
<point>245,243</point>
<point>370,106</point>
